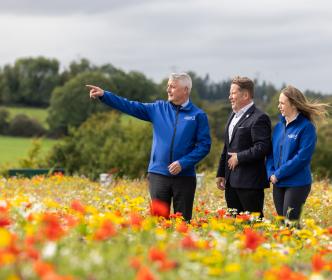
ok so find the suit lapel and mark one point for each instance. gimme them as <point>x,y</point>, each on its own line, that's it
<point>227,127</point>
<point>243,118</point>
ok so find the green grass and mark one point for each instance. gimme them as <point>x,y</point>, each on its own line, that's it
<point>36,113</point>
<point>12,149</point>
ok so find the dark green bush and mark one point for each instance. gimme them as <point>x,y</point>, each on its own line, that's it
<point>22,125</point>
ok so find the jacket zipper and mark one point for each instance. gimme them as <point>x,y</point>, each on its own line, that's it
<point>172,142</point>
<point>281,147</point>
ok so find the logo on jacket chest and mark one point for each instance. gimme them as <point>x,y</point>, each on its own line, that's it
<point>189,118</point>
<point>292,136</point>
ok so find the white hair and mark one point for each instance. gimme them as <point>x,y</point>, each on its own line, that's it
<point>184,78</point>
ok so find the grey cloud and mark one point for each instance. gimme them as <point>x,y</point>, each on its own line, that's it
<point>281,40</point>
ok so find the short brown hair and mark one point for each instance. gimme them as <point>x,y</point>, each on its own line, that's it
<point>244,83</point>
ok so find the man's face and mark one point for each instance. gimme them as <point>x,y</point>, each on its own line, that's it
<point>238,98</point>
<point>177,93</point>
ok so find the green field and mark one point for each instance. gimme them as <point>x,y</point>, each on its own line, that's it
<point>14,148</point>
<point>35,113</point>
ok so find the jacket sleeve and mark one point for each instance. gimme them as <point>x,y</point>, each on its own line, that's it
<point>270,165</point>
<point>222,163</point>
<point>203,144</point>
<point>261,139</point>
<point>134,108</point>
<point>302,157</point>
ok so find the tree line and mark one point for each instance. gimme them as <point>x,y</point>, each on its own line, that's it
<point>92,142</point>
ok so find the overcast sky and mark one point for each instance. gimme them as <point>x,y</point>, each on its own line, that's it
<point>278,41</point>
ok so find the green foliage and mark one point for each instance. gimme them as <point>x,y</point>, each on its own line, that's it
<point>322,159</point>
<point>30,81</point>
<point>40,114</point>
<point>34,156</point>
<point>16,152</point>
<point>134,86</point>
<point>104,143</point>
<point>4,120</point>
<point>24,126</point>
<point>71,104</point>
<point>218,113</point>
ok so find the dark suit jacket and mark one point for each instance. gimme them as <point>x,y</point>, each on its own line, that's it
<point>251,140</point>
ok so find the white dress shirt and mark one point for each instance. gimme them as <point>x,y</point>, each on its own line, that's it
<point>236,119</point>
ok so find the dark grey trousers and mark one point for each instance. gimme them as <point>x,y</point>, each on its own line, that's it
<point>289,201</point>
<point>179,188</point>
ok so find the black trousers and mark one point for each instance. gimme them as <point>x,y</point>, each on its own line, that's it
<point>251,200</point>
<point>289,201</point>
<point>179,188</point>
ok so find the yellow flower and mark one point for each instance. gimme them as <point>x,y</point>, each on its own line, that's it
<point>232,267</point>
<point>5,238</point>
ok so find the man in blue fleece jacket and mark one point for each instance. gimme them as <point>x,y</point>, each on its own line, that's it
<point>181,138</point>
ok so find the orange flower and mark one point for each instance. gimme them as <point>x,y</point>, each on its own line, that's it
<point>243,217</point>
<point>78,206</point>
<point>317,263</point>
<point>144,273</point>
<point>52,228</point>
<point>176,215</point>
<point>106,231</point>
<point>182,227</point>
<point>221,213</point>
<point>167,265</point>
<point>188,243</point>
<point>136,220</point>
<point>156,254</point>
<point>159,208</point>
<point>283,273</point>
<point>42,268</point>
<point>135,263</point>
<point>252,239</point>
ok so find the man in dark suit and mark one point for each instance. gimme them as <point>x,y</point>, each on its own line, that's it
<point>241,171</point>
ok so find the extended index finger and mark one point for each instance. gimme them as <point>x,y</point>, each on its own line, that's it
<point>92,86</point>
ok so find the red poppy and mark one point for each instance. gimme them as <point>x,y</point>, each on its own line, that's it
<point>243,217</point>
<point>4,221</point>
<point>252,239</point>
<point>159,208</point>
<point>42,268</point>
<point>136,220</point>
<point>167,265</point>
<point>135,263</point>
<point>317,263</point>
<point>182,227</point>
<point>156,254</point>
<point>188,243</point>
<point>144,273</point>
<point>52,228</point>
<point>221,213</point>
<point>106,231</point>
<point>78,206</point>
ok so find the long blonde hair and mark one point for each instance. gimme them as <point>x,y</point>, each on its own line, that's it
<point>312,110</point>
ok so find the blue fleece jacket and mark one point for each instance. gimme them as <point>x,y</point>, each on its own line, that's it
<point>179,134</point>
<point>293,146</point>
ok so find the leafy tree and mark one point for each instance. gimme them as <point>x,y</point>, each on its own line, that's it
<point>4,120</point>
<point>75,68</point>
<point>134,86</point>
<point>106,141</point>
<point>30,81</point>
<point>71,105</point>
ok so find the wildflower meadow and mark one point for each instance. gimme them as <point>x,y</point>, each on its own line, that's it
<point>58,227</point>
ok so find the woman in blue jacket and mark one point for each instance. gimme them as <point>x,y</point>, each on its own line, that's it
<point>293,141</point>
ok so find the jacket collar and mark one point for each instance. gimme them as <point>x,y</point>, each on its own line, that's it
<point>246,115</point>
<point>187,107</point>
<point>299,118</point>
